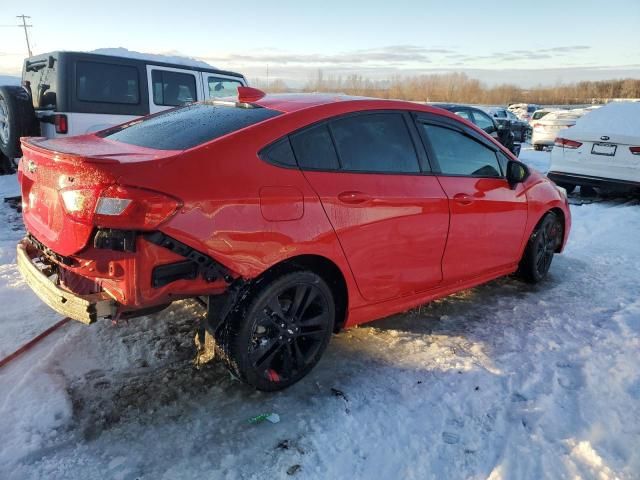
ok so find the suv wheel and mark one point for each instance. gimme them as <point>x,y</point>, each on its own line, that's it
<point>278,333</point>
<point>17,119</point>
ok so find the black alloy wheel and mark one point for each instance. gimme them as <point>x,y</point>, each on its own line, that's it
<point>541,247</point>
<point>283,331</point>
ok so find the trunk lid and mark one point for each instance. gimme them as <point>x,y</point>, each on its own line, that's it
<point>86,164</point>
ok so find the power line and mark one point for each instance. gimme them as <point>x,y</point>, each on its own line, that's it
<point>26,35</point>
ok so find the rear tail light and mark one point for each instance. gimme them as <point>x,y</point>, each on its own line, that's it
<point>119,207</point>
<point>536,125</point>
<point>133,208</point>
<point>635,150</point>
<point>60,121</point>
<point>566,143</point>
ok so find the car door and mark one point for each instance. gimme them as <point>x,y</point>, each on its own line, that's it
<point>488,217</point>
<point>172,87</point>
<point>389,212</point>
<point>218,85</point>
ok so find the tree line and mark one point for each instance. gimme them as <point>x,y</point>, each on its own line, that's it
<point>460,88</point>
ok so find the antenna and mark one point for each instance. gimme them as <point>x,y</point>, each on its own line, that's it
<point>26,35</point>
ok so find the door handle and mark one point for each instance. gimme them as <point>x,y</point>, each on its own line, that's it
<point>463,198</point>
<point>353,197</point>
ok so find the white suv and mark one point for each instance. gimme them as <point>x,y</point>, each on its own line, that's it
<point>73,93</point>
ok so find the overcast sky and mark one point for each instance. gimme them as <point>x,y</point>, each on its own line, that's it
<point>528,43</point>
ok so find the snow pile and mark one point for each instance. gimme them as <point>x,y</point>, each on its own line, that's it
<point>620,118</point>
<point>153,57</point>
<point>9,186</point>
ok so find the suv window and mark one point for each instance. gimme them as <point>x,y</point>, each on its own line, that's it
<point>314,149</point>
<point>107,83</point>
<point>464,114</point>
<point>173,88</point>
<point>484,121</point>
<point>222,87</point>
<point>40,77</point>
<point>378,142</point>
<point>186,127</point>
<point>458,154</point>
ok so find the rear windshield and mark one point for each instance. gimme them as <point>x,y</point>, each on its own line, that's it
<point>539,115</point>
<point>185,127</point>
<point>40,77</point>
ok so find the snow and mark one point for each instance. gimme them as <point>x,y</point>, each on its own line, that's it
<point>503,381</point>
<point>153,57</point>
<point>620,118</point>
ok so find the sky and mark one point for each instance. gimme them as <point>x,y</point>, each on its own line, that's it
<point>526,43</point>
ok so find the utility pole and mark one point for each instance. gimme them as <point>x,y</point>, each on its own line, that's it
<point>26,35</point>
<point>267,76</point>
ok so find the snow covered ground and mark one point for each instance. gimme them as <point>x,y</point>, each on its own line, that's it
<point>504,381</point>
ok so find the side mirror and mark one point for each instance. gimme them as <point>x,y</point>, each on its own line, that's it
<point>516,173</point>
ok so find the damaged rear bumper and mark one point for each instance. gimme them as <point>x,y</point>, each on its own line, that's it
<point>84,308</point>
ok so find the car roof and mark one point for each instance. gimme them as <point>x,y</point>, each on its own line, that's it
<point>127,59</point>
<point>292,102</point>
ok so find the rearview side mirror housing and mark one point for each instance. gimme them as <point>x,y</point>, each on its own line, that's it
<point>516,173</point>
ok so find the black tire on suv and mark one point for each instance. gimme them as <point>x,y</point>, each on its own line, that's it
<point>17,119</point>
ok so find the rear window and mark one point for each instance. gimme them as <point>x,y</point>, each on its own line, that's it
<point>186,127</point>
<point>40,77</point>
<point>107,83</point>
<point>538,115</point>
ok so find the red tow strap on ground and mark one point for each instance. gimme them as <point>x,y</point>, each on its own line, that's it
<point>32,342</point>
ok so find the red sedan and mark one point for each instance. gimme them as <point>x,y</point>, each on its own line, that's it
<point>293,216</point>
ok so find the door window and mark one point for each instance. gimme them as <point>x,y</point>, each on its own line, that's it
<point>464,114</point>
<point>222,87</point>
<point>484,121</point>
<point>314,149</point>
<point>459,154</point>
<point>173,88</point>
<point>377,142</point>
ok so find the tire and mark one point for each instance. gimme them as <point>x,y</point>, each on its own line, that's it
<point>538,148</point>
<point>17,119</point>
<point>569,187</point>
<point>268,342</point>
<point>543,243</point>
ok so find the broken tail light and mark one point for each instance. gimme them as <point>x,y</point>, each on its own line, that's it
<point>119,207</point>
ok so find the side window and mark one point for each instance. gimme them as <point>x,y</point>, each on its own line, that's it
<point>222,87</point>
<point>314,149</point>
<point>173,88</point>
<point>378,142</point>
<point>464,114</point>
<point>107,83</point>
<point>458,154</point>
<point>484,121</point>
<point>280,153</point>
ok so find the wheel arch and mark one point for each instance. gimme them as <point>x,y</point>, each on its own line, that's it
<point>325,268</point>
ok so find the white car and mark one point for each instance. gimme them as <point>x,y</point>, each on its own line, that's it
<point>545,130</point>
<point>523,110</point>
<point>601,150</point>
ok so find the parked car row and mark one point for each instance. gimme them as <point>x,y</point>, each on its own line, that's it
<point>479,116</point>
